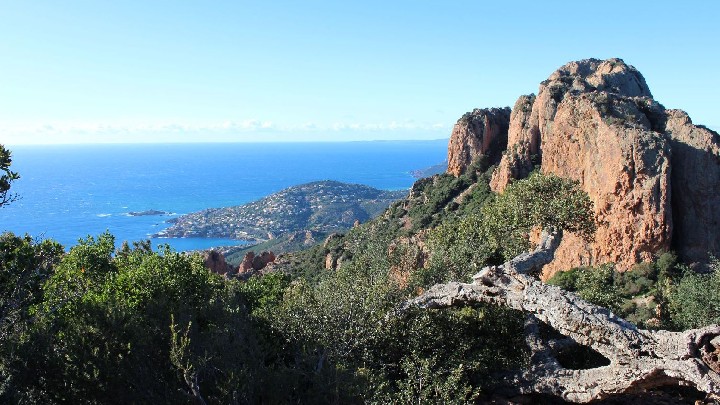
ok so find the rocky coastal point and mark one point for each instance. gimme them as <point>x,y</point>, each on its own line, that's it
<point>322,207</point>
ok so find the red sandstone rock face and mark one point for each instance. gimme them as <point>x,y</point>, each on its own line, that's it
<point>625,171</point>
<point>252,262</point>
<point>480,132</point>
<point>215,262</point>
<point>652,175</point>
<point>696,187</point>
<point>534,117</point>
<point>589,123</point>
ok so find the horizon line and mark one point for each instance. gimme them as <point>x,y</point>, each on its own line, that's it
<point>205,142</point>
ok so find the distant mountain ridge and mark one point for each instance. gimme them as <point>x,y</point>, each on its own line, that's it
<point>322,206</point>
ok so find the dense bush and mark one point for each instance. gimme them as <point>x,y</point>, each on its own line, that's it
<point>135,326</point>
<point>349,348</point>
<point>695,302</point>
<point>641,295</point>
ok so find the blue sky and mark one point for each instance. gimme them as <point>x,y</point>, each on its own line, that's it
<point>184,71</point>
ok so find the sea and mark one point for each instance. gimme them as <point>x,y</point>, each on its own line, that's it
<point>69,192</point>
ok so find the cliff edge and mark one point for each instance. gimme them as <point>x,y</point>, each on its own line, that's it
<point>651,173</point>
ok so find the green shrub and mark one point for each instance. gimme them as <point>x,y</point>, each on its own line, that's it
<point>640,295</point>
<point>695,301</point>
<point>137,326</point>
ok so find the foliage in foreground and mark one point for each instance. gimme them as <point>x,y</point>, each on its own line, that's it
<point>105,331</point>
<point>7,177</point>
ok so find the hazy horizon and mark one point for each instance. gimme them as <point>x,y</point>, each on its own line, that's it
<point>201,142</point>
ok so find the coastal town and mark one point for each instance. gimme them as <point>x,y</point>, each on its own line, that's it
<point>323,206</point>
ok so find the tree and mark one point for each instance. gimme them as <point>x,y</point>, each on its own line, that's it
<point>137,326</point>
<point>541,200</point>
<point>7,177</point>
<point>24,266</point>
<point>498,229</point>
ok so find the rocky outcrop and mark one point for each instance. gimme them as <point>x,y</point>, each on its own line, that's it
<point>533,117</point>
<point>651,174</point>
<point>624,169</point>
<point>253,263</point>
<point>480,132</point>
<point>523,144</point>
<point>215,262</point>
<point>696,184</point>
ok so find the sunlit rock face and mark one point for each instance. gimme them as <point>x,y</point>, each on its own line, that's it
<point>480,132</point>
<point>652,175</point>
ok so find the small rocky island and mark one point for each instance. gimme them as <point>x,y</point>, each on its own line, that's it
<point>147,213</point>
<point>323,206</point>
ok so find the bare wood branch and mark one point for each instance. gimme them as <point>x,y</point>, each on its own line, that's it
<point>639,359</point>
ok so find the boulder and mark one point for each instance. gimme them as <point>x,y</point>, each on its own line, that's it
<point>246,266</point>
<point>260,261</point>
<point>252,262</point>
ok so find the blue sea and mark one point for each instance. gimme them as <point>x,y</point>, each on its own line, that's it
<point>71,191</point>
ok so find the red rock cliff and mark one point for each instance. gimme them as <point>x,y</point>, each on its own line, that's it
<point>480,132</point>
<point>651,174</point>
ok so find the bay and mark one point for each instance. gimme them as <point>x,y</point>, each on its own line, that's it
<point>71,191</point>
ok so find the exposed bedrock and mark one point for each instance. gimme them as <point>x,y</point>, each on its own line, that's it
<point>652,175</point>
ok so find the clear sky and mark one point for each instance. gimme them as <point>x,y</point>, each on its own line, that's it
<point>178,71</point>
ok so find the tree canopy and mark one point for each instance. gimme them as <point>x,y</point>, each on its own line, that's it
<point>7,177</point>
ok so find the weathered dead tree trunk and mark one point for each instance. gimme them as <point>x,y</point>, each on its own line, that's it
<point>639,359</point>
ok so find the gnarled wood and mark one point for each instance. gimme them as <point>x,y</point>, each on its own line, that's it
<point>639,359</point>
